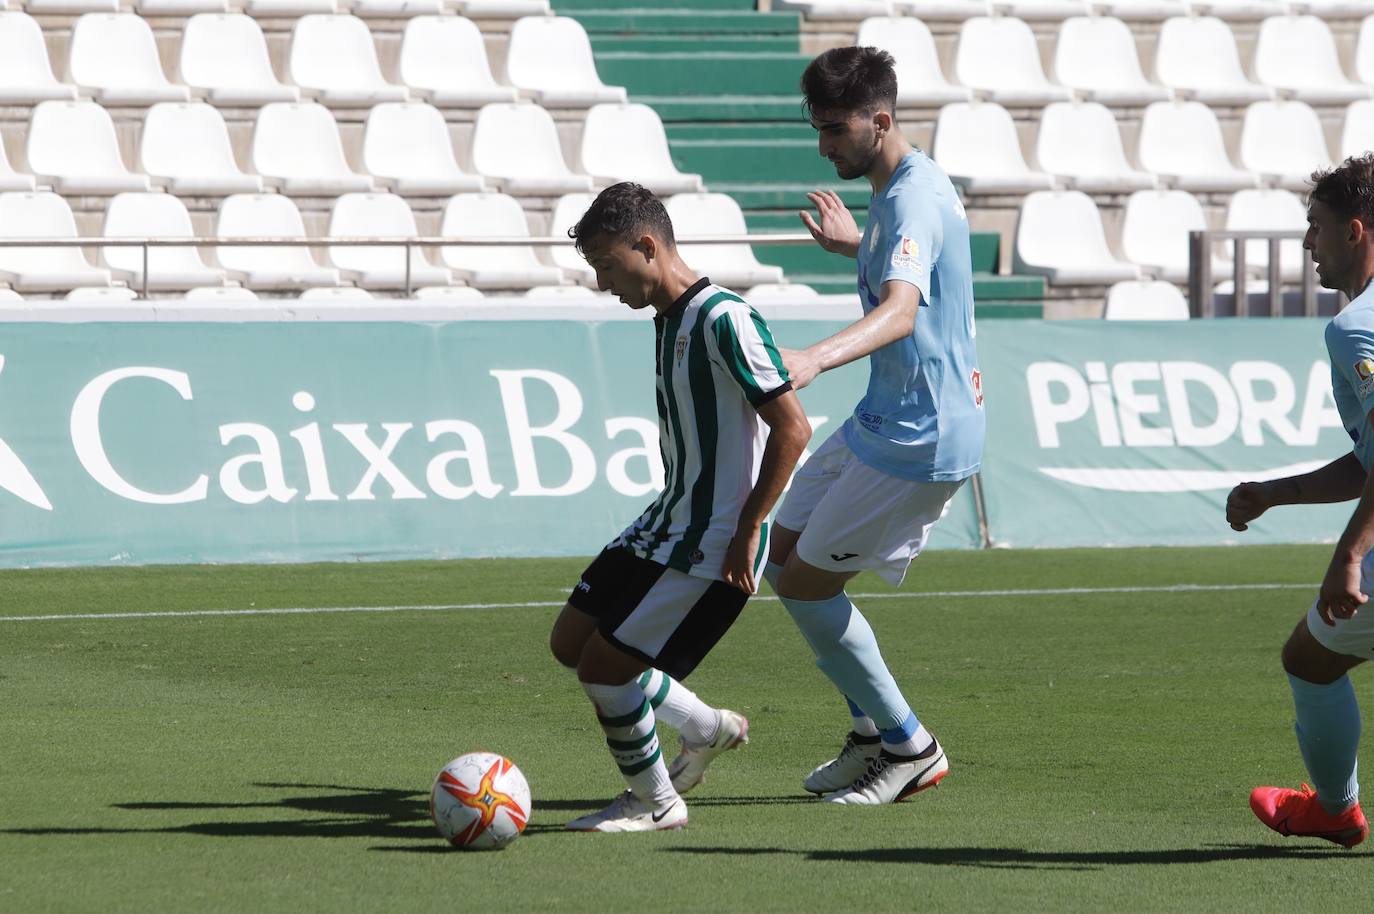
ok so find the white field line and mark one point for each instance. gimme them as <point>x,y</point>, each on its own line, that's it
<point>543,604</point>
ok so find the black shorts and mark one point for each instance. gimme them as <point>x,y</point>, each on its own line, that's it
<point>664,617</point>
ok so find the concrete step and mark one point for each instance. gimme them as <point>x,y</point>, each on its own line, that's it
<point>715,109</point>
<point>711,73</point>
<point>665,43</point>
<point>643,21</point>
<point>686,6</point>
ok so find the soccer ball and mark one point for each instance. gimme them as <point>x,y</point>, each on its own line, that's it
<point>480,801</point>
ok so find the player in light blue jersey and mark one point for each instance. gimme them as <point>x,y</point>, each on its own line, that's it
<point>1337,634</point>
<point>869,496</point>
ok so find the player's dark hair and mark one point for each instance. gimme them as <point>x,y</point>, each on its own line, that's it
<point>623,212</point>
<point>847,80</point>
<point>1348,188</point>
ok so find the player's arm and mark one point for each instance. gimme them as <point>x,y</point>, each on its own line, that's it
<point>891,321</point>
<point>788,433</point>
<point>1341,595</point>
<point>836,231</point>
<point>1340,480</point>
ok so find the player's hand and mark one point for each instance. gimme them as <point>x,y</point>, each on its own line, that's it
<point>1341,596</point>
<point>1246,502</point>
<point>739,560</point>
<point>836,231</point>
<point>801,366</point>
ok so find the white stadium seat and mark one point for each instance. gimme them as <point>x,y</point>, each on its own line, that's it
<point>502,9</point>
<point>837,9</point>
<point>224,55</point>
<point>1155,229</point>
<point>466,293</point>
<point>43,215</point>
<point>335,56</point>
<point>1297,55</point>
<point>11,179</point>
<point>1364,52</point>
<point>1333,9</point>
<point>1269,210</point>
<point>1285,141</point>
<point>335,294</point>
<point>517,146</point>
<point>1357,137</point>
<point>920,81</point>
<point>1096,57</point>
<point>268,266</point>
<point>113,57</point>
<point>397,8</point>
<point>1140,10</point>
<point>1197,56</point>
<point>1080,144</point>
<point>1238,10</point>
<point>609,158</point>
<point>111,294</point>
<point>490,266</point>
<point>977,146</point>
<point>381,216</point>
<point>69,7</point>
<point>550,58</point>
<point>407,148</point>
<point>9,295</point>
<point>215,294</point>
<point>1182,142</point>
<point>25,72</point>
<point>732,265</point>
<point>444,60</point>
<point>566,212</point>
<point>72,147</point>
<point>1000,58</point>
<point>1059,236</point>
<point>943,10</point>
<point>263,9</point>
<point>547,292</point>
<point>179,7</point>
<point>296,147</point>
<point>1042,10</point>
<point>144,215</point>
<point>1146,301</point>
<point>185,145</point>
<point>781,292</point>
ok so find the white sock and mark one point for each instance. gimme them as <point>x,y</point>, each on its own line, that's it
<point>680,708</point>
<point>628,719</point>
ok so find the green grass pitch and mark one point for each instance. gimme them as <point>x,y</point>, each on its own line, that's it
<point>1104,730</point>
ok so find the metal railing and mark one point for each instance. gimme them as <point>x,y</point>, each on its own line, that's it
<point>418,241</point>
<point>1201,298</point>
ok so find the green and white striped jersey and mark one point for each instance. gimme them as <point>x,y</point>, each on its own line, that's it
<point>716,364</point>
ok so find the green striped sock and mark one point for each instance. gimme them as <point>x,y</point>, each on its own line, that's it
<point>679,707</point>
<point>627,717</point>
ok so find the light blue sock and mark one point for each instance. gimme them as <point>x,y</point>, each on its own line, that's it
<point>847,652</point>
<point>1328,731</point>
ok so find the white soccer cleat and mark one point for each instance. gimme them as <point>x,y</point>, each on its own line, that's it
<point>628,812</point>
<point>892,778</point>
<point>689,768</point>
<point>845,768</point>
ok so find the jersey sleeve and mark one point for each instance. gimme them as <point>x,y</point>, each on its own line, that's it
<point>912,241</point>
<point>742,346</point>
<point>1352,361</point>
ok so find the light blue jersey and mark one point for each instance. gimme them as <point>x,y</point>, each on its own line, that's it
<point>922,417</point>
<point>1350,344</point>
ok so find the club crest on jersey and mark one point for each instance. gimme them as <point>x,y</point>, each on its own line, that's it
<point>907,254</point>
<point>680,348</point>
<point>976,377</point>
<point>1364,371</point>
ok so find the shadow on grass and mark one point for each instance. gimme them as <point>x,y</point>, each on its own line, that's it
<point>340,811</point>
<point>1019,858</point>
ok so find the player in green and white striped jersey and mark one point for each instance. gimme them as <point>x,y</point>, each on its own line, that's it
<point>661,595</point>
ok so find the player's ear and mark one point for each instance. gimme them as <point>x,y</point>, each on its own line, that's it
<point>882,120</point>
<point>647,246</point>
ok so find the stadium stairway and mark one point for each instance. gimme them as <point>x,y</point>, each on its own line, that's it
<point>723,78</point>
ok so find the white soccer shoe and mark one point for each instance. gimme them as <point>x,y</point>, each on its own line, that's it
<point>845,768</point>
<point>628,812</point>
<point>689,768</point>
<point>892,778</point>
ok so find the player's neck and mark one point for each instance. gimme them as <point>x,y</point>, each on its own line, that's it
<point>677,278</point>
<point>895,148</point>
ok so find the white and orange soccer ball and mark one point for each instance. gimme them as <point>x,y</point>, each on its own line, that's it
<point>480,801</point>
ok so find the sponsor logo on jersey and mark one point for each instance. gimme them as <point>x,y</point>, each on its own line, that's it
<point>976,377</point>
<point>1364,370</point>
<point>907,254</point>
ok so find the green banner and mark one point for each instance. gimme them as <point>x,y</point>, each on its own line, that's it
<point>1133,434</point>
<point>249,442</point>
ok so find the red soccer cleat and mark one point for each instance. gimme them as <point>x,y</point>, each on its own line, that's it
<point>1297,813</point>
